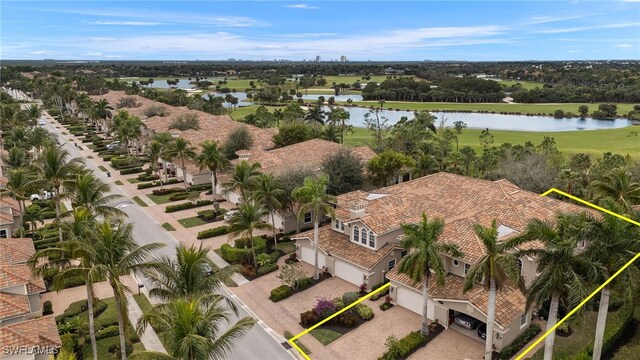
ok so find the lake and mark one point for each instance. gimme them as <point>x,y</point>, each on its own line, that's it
<point>496,121</point>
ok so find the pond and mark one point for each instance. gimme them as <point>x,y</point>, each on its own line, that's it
<point>496,121</point>
<point>339,98</point>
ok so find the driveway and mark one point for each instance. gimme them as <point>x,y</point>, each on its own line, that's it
<point>451,345</point>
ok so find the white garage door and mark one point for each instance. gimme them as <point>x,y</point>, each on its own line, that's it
<point>308,257</point>
<point>348,272</point>
<point>411,300</point>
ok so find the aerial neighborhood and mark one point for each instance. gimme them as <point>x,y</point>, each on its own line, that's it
<point>326,198</point>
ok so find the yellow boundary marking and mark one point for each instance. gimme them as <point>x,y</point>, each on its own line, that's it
<point>293,339</point>
<point>596,291</point>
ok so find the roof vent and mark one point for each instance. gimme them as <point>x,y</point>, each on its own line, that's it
<point>357,211</point>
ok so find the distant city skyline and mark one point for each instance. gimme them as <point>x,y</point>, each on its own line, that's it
<point>321,31</point>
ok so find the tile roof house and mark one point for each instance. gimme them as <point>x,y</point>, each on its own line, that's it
<point>362,244</point>
<point>308,155</point>
<point>24,333</point>
<point>10,217</point>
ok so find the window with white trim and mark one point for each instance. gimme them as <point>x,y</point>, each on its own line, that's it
<point>523,320</point>
<point>392,264</point>
<point>307,218</point>
<point>337,224</point>
<point>372,239</point>
<point>404,253</point>
<point>363,236</point>
<point>3,234</point>
<point>342,226</point>
<point>519,263</point>
<point>467,267</point>
<point>356,234</point>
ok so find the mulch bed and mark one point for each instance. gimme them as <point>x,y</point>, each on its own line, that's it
<point>330,325</point>
<point>433,333</point>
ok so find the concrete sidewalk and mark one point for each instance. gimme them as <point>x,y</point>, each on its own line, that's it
<point>148,337</point>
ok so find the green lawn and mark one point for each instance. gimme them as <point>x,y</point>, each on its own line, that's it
<point>139,201</point>
<point>102,168</point>
<point>146,306</point>
<point>522,108</point>
<point>288,246</point>
<point>288,336</point>
<point>596,142</point>
<point>118,182</point>
<point>160,199</point>
<point>351,79</point>
<point>192,221</point>
<point>525,84</point>
<point>241,112</point>
<point>168,227</point>
<point>133,180</point>
<point>325,336</point>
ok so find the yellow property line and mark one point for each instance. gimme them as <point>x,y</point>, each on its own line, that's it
<point>601,286</point>
<point>293,339</point>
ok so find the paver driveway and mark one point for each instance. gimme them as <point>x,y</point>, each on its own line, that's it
<point>451,345</point>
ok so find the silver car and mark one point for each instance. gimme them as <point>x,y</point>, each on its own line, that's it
<point>229,214</point>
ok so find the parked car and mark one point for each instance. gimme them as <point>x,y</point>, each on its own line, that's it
<point>41,122</point>
<point>466,321</point>
<point>482,331</point>
<point>208,271</point>
<point>113,145</point>
<point>44,196</point>
<point>229,214</point>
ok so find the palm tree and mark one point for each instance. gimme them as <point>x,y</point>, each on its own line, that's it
<point>315,115</point>
<point>243,178</point>
<point>493,270</point>
<point>16,158</point>
<point>154,151</point>
<point>87,191</point>
<point>191,274</point>
<point>17,187</point>
<point>612,246</point>
<point>165,140</point>
<point>619,185</point>
<point>54,170</point>
<point>563,271</point>
<point>421,240</point>
<point>38,138</point>
<point>193,328</point>
<point>314,199</point>
<point>212,158</point>
<point>33,112</point>
<point>267,191</point>
<point>101,110</point>
<point>181,149</point>
<point>247,220</point>
<point>117,254</point>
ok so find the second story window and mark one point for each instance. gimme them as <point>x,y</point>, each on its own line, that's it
<point>307,218</point>
<point>467,267</point>
<point>356,234</point>
<point>363,237</point>
<point>519,263</point>
<point>372,240</point>
<point>337,224</point>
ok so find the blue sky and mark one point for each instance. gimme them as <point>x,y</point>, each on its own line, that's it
<point>261,30</point>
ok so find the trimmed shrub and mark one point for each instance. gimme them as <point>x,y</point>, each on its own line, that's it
<point>349,297</point>
<point>267,269</point>
<point>49,214</point>
<point>347,319</point>
<point>178,196</point>
<point>109,331</point>
<point>365,312</point>
<point>149,185</point>
<point>168,191</point>
<point>200,187</point>
<point>324,308</point>
<point>188,205</point>
<point>231,254</point>
<point>73,310</point>
<point>309,318</point>
<point>47,308</point>
<point>519,342</point>
<point>281,292</point>
<point>410,343</point>
<point>338,303</point>
<point>209,233</point>
<point>147,177</point>
<point>133,170</point>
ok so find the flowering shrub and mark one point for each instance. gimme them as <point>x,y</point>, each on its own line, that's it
<point>324,308</point>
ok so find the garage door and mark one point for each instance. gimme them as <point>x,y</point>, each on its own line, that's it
<point>308,257</point>
<point>411,300</point>
<point>348,272</point>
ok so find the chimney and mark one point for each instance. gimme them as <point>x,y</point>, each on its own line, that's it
<point>357,210</point>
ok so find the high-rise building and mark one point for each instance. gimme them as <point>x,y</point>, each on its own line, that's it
<point>343,58</point>
<point>317,58</point>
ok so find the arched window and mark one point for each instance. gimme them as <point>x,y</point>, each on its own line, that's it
<point>519,263</point>
<point>372,240</point>
<point>356,233</point>
<point>363,238</point>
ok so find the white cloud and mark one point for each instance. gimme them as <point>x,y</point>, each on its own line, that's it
<point>593,27</point>
<point>301,6</point>
<point>574,51</point>
<point>624,46</point>
<point>41,52</point>
<point>93,54</point>
<point>101,39</point>
<point>125,23</point>
<point>536,20</point>
<point>308,35</point>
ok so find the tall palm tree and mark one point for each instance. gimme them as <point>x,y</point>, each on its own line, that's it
<point>267,191</point>
<point>78,259</point>
<point>33,112</point>
<point>563,270</point>
<point>313,197</point>
<point>182,150</point>
<point>38,139</point>
<point>101,110</point>
<point>165,140</point>
<point>493,270</point>
<point>421,240</point>
<point>193,328</point>
<point>154,152</point>
<point>87,191</point>
<point>17,187</point>
<point>117,254</point>
<point>247,220</point>
<point>191,274</point>
<point>55,169</point>
<point>16,158</point>
<point>613,244</point>
<point>213,159</point>
<point>619,185</point>
<point>243,178</point>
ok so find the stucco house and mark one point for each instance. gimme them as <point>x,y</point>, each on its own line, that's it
<point>362,244</point>
<point>10,217</point>
<point>307,155</point>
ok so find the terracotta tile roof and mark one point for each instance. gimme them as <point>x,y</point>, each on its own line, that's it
<point>3,182</point>
<point>10,203</point>
<point>338,245</point>
<point>509,301</point>
<point>6,218</point>
<point>16,250</point>
<point>461,201</point>
<point>20,274</point>
<point>40,332</point>
<point>13,305</point>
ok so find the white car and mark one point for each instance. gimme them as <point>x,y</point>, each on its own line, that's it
<point>113,145</point>
<point>41,123</point>
<point>44,196</point>
<point>229,214</point>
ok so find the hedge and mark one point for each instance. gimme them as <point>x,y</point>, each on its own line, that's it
<point>267,269</point>
<point>161,192</point>
<point>280,293</point>
<point>519,342</point>
<point>236,254</point>
<point>209,233</point>
<point>45,243</point>
<point>187,205</point>
<point>615,328</point>
<point>178,196</point>
<point>107,332</point>
<point>148,185</point>
<point>49,214</point>
<point>133,170</point>
<point>200,187</point>
<point>146,177</point>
